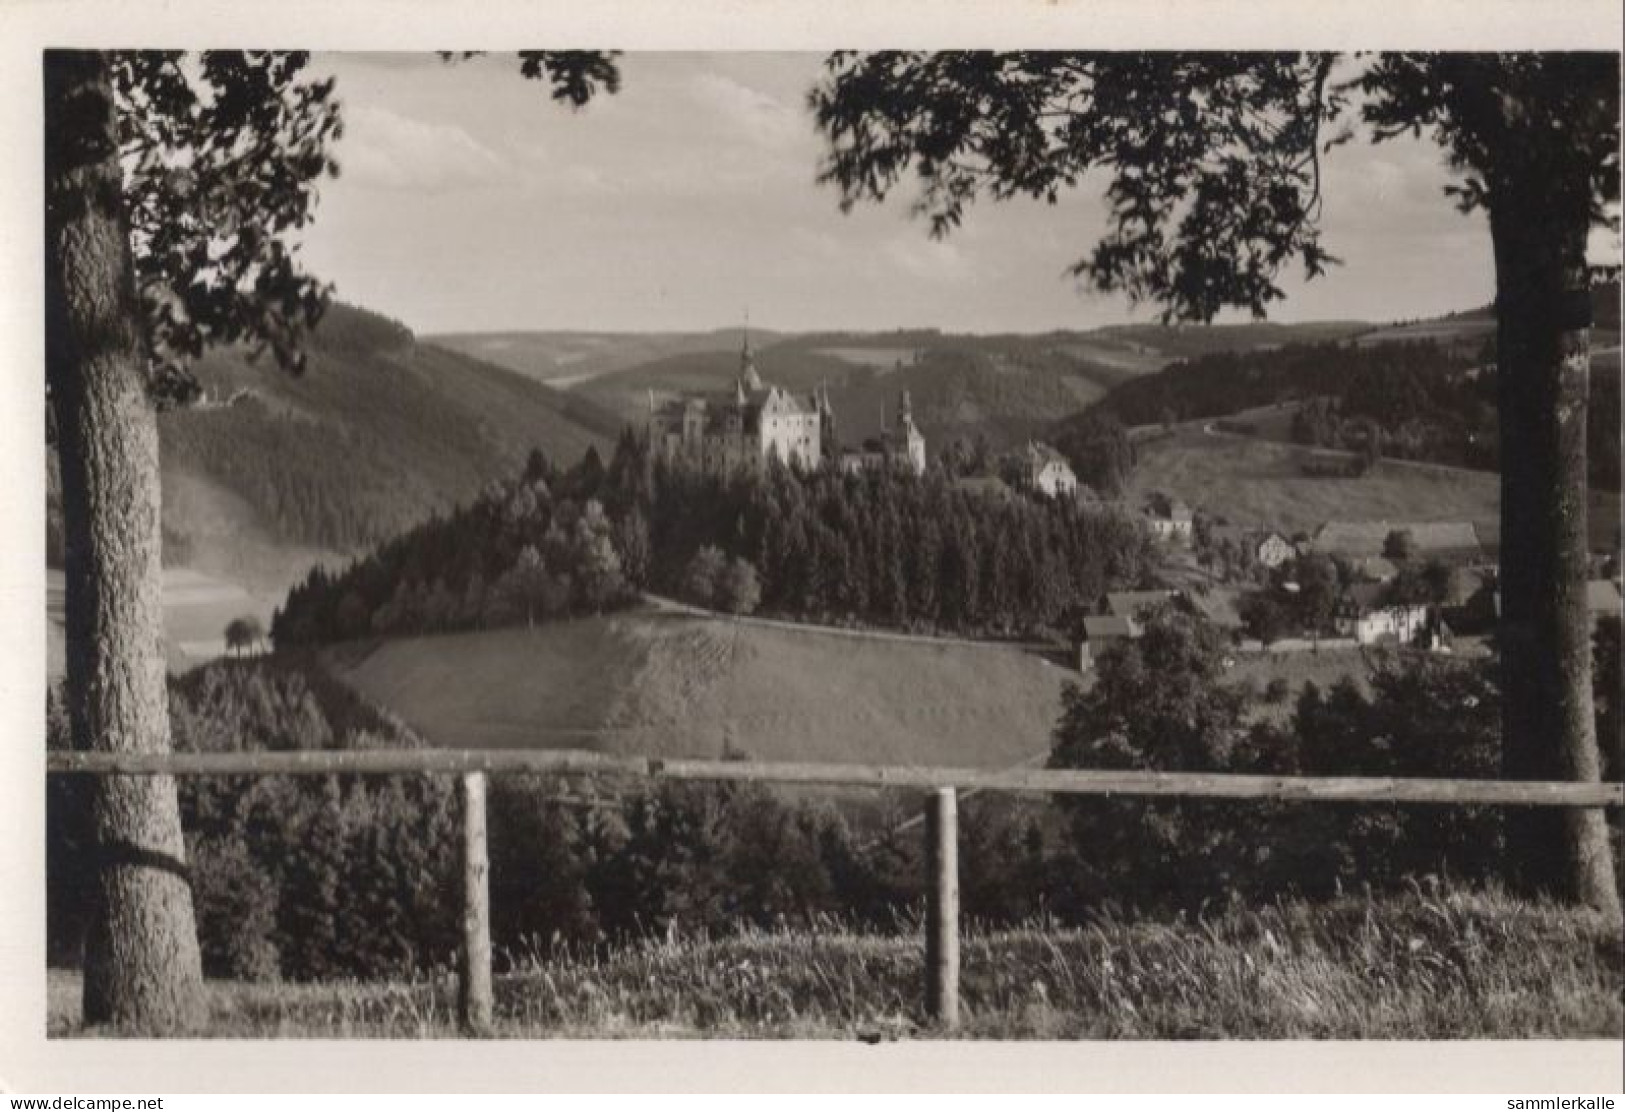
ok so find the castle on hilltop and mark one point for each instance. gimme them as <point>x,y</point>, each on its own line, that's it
<point>756,422</point>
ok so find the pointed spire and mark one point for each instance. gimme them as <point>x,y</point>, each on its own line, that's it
<point>749,380</point>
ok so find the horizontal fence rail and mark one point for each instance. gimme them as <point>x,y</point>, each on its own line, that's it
<point>472,766</point>
<point>1208,785</point>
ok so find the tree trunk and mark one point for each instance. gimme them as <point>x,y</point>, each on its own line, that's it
<point>142,969</point>
<point>1543,335</point>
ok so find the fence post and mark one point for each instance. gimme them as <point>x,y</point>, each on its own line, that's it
<point>942,909</point>
<point>474,956</point>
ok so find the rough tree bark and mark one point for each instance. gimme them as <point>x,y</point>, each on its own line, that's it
<point>142,968</point>
<point>1539,219</point>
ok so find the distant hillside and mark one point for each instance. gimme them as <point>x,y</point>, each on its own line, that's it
<point>1418,388</point>
<point>570,358</point>
<point>1186,341</point>
<point>1470,328</point>
<point>1220,383</point>
<point>664,684</point>
<point>1005,387</point>
<point>379,432</point>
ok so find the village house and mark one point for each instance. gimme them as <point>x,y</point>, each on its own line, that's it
<point>1044,469</point>
<point>1171,524</point>
<point>1272,550</point>
<point>1220,606</point>
<point>1267,547</point>
<point>1365,614</point>
<point>1101,632</point>
<point>1134,604</point>
<point>1373,569</point>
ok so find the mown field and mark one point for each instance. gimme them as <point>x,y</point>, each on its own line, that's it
<point>1256,482</point>
<point>1429,965</point>
<point>667,684</point>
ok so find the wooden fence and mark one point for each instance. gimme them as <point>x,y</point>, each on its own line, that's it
<point>472,766</point>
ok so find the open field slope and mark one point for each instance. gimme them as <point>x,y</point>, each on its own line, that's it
<point>1261,483</point>
<point>1451,966</point>
<point>667,684</point>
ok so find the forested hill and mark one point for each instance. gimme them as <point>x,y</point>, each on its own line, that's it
<point>1004,388</point>
<point>1422,390</point>
<point>379,432</point>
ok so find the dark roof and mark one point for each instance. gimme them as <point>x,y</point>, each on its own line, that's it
<point>1124,604</point>
<point>1106,628</point>
<point>1218,606</point>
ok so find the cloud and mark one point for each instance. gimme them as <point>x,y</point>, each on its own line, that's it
<point>762,119</point>
<point>385,150</point>
<point>928,260</point>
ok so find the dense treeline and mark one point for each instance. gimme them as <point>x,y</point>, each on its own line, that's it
<point>1215,385</point>
<point>1160,703</point>
<point>322,877</point>
<point>540,546</point>
<point>1407,400</point>
<point>888,548</point>
<point>882,548</point>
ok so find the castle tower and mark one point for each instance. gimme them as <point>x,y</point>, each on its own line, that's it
<point>829,446</point>
<point>749,380</point>
<point>909,437</point>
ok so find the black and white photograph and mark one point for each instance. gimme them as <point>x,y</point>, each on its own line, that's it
<point>1049,542</point>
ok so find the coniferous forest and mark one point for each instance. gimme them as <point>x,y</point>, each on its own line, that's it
<point>884,548</point>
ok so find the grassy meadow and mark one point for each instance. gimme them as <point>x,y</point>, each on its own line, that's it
<point>668,684</point>
<point>1427,965</point>
<point>1256,482</point>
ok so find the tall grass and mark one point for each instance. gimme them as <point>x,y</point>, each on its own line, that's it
<point>1429,964</point>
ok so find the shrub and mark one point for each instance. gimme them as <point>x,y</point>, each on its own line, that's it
<point>704,572</point>
<point>738,591</point>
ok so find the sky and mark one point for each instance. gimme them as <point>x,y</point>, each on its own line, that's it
<point>469,201</point>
